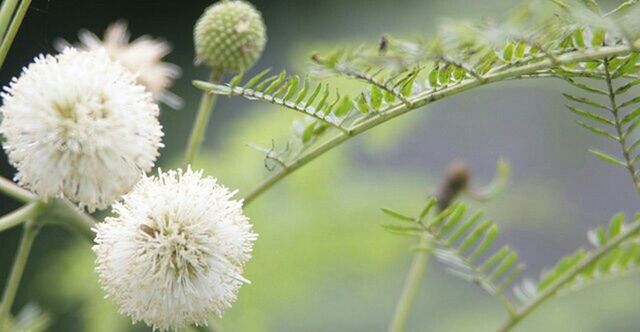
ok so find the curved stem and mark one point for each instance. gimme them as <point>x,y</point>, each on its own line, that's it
<point>11,189</point>
<point>74,218</point>
<point>207,103</point>
<point>20,261</point>
<point>69,213</point>
<point>568,277</point>
<point>428,97</point>
<point>29,211</point>
<point>291,167</point>
<point>13,30</point>
<point>411,287</point>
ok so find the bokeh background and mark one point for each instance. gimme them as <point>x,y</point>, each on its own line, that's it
<point>322,262</point>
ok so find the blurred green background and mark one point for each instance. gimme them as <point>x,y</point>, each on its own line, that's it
<point>322,262</point>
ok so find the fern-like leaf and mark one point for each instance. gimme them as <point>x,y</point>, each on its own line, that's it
<point>288,92</point>
<point>618,261</point>
<point>602,111</point>
<point>465,245</point>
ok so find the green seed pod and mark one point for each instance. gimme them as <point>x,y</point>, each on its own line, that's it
<point>230,36</point>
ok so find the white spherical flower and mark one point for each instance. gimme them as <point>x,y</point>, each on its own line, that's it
<point>174,252</point>
<point>77,125</point>
<point>143,56</point>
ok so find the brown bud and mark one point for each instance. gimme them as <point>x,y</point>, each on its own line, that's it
<point>384,44</point>
<point>456,181</point>
<point>315,58</point>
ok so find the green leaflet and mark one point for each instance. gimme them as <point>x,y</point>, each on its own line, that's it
<point>507,52</point>
<point>598,131</point>
<point>254,80</point>
<point>607,158</point>
<point>376,97</point>
<point>292,87</point>
<point>591,116</point>
<point>585,101</point>
<point>397,215</point>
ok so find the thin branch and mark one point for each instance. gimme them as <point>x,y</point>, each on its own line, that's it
<point>13,29</point>
<point>11,189</point>
<point>69,214</point>
<point>64,213</point>
<point>411,286</point>
<point>27,212</point>
<point>207,103</point>
<point>568,277</point>
<point>20,261</point>
<point>430,96</point>
<point>414,277</point>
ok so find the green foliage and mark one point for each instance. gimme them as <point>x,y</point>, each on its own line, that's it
<point>601,111</point>
<point>465,245</point>
<point>323,107</point>
<point>292,92</point>
<point>568,40</point>
<point>608,259</point>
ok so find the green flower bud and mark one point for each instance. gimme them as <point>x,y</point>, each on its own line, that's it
<point>230,36</point>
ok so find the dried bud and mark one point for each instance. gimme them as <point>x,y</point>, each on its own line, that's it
<point>230,36</point>
<point>456,181</point>
<point>384,44</point>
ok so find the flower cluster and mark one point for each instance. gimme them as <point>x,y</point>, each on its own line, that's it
<point>142,56</point>
<point>78,125</point>
<point>174,252</point>
<point>83,125</point>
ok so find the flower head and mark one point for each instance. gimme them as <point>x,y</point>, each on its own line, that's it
<point>78,125</point>
<point>175,250</point>
<point>230,36</point>
<point>143,56</point>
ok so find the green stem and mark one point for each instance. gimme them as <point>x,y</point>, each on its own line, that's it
<point>568,277</point>
<point>72,217</point>
<point>27,212</point>
<point>66,211</point>
<point>20,261</point>
<point>11,189</point>
<point>207,103</point>
<point>429,97</point>
<point>6,13</point>
<point>411,287</point>
<point>13,29</point>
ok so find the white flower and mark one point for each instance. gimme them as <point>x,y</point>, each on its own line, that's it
<point>143,56</point>
<point>78,125</point>
<point>175,250</point>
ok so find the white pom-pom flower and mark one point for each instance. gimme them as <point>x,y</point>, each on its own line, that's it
<point>174,252</point>
<point>142,56</point>
<point>77,125</point>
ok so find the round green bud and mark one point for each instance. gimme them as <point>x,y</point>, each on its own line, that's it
<point>230,36</point>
